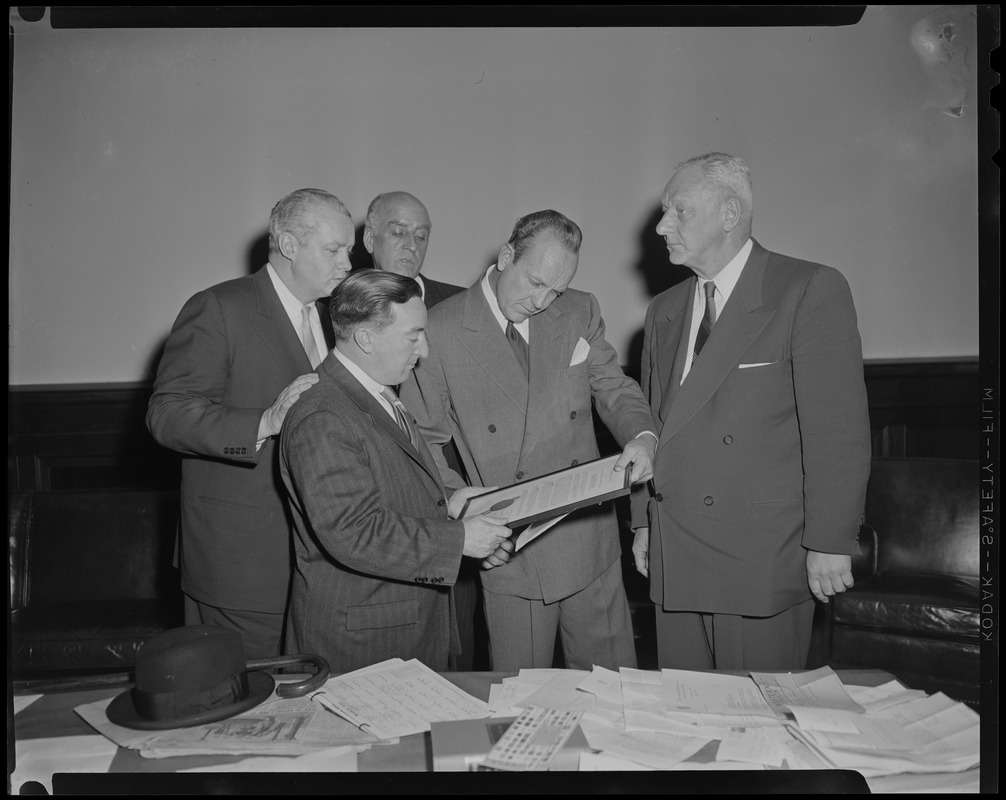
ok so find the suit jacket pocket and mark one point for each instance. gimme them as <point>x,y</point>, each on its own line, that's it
<point>771,508</point>
<point>382,615</point>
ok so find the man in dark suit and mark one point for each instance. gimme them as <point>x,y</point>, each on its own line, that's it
<point>754,372</point>
<point>377,545</point>
<point>238,357</point>
<point>514,420</point>
<point>396,234</point>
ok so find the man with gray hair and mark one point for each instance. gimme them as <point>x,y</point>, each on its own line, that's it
<point>377,543</point>
<point>516,364</point>
<point>238,357</point>
<point>754,372</point>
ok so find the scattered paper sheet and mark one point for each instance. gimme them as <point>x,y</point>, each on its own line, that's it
<point>560,692</point>
<point>396,698</point>
<point>819,688</point>
<point>878,698</point>
<point>712,693</point>
<point>22,701</point>
<point>290,727</point>
<point>335,759</point>
<point>651,748</point>
<point>38,759</point>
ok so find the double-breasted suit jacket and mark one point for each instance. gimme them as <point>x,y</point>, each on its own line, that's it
<point>375,554</point>
<point>510,428</point>
<point>231,351</point>
<point>764,450</point>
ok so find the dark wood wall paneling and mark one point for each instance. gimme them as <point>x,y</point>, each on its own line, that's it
<point>95,436</point>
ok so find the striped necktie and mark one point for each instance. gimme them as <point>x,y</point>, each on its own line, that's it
<point>708,319</point>
<point>402,416</point>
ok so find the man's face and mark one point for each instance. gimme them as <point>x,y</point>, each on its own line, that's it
<point>400,345</point>
<point>528,286</point>
<point>398,243</point>
<point>692,224</point>
<point>321,261</point>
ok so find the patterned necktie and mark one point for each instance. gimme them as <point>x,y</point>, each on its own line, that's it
<point>402,416</point>
<point>519,348</point>
<point>307,335</point>
<point>708,320</point>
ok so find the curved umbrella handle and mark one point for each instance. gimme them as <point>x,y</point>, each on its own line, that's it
<point>298,688</point>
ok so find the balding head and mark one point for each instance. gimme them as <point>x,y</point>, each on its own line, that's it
<point>397,233</point>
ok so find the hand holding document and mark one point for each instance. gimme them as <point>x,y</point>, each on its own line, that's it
<point>550,497</point>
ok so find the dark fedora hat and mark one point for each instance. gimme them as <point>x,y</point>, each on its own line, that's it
<point>189,676</point>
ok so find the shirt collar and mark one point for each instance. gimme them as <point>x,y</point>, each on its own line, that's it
<point>291,304</point>
<point>727,277</point>
<point>494,306</point>
<point>368,383</point>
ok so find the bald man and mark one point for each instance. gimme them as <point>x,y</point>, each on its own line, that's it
<point>396,234</point>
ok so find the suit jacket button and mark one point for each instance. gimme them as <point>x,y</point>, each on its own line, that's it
<point>492,429</point>
<point>572,415</point>
<point>658,497</point>
<point>520,476</point>
<point>227,451</point>
<point>728,439</point>
<point>244,450</point>
<point>441,502</point>
<point>708,501</point>
<point>574,462</point>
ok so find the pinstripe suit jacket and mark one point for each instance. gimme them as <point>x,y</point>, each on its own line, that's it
<point>764,450</point>
<point>510,428</point>
<point>375,555</point>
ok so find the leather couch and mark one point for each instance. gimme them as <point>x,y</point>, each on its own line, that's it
<point>91,578</point>
<point>914,609</point>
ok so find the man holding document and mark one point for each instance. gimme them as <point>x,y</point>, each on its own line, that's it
<point>376,552</point>
<point>515,362</point>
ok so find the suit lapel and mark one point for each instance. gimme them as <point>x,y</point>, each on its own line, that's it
<point>380,418</point>
<point>739,325</point>
<point>673,327</point>
<point>546,353</point>
<point>481,335</point>
<point>271,322</point>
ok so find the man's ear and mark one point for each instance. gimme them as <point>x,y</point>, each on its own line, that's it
<point>288,245</point>
<point>731,213</point>
<point>363,340</point>
<point>505,257</point>
<point>368,240</point>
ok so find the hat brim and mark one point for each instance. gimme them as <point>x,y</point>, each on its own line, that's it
<point>122,710</point>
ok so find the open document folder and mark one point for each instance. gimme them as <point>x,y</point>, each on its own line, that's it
<point>542,502</point>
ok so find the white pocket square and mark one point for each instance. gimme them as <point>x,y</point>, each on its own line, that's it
<point>759,364</point>
<point>579,352</point>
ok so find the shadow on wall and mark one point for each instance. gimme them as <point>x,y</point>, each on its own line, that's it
<point>657,273</point>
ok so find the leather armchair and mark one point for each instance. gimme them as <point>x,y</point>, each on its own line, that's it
<point>914,609</point>
<point>91,578</point>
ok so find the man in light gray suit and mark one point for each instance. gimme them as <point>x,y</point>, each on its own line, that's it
<point>515,363</point>
<point>376,544</point>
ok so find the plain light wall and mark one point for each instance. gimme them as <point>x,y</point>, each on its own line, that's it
<point>144,164</point>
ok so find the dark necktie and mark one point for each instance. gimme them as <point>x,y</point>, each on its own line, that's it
<point>402,416</point>
<point>519,348</point>
<point>708,320</point>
